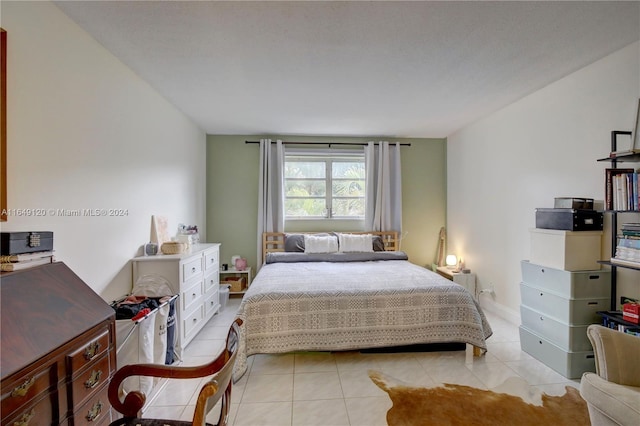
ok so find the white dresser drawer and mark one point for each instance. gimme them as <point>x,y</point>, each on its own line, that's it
<point>211,303</point>
<point>568,311</point>
<point>191,322</point>
<point>191,268</point>
<point>211,260</point>
<point>191,295</point>
<point>211,283</point>
<point>567,337</point>
<point>572,285</point>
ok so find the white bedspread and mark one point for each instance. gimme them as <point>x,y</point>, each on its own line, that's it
<point>354,305</point>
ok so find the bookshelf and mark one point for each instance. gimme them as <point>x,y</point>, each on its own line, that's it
<point>615,161</point>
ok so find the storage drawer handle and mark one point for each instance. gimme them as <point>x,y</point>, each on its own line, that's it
<point>195,320</point>
<point>23,388</point>
<point>193,269</point>
<point>92,350</point>
<point>594,277</point>
<point>93,380</point>
<point>95,412</point>
<point>25,418</point>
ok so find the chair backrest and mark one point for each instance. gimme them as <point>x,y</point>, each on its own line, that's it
<point>614,351</point>
<point>218,387</point>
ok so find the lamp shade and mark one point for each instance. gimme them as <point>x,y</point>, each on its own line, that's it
<point>451,260</point>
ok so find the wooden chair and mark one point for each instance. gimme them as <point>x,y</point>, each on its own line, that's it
<point>218,387</point>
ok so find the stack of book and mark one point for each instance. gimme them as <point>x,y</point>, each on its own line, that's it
<point>16,262</point>
<point>628,248</point>
<point>622,189</point>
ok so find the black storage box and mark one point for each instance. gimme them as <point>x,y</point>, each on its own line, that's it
<point>25,242</point>
<point>569,219</point>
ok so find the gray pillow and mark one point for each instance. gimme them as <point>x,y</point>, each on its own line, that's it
<point>378,244</point>
<point>294,242</point>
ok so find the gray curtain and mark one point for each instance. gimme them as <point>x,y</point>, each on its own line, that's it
<point>270,190</point>
<point>384,187</point>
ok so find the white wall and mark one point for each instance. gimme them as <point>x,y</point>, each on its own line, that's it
<point>504,166</point>
<point>85,132</point>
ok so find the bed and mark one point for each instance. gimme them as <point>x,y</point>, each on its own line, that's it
<point>301,300</point>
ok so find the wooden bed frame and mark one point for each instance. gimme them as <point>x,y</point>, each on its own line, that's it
<point>274,241</point>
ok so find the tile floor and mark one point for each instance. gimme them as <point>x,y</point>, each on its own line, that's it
<point>333,389</point>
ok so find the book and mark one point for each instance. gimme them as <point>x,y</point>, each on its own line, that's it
<point>625,262</point>
<point>610,185</point>
<point>24,256</point>
<point>17,266</point>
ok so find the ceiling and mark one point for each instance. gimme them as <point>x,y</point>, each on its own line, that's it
<point>397,69</point>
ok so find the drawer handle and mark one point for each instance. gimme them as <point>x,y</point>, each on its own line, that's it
<point>193,294</point>
<point>195,320</point>
<point>541,319</point>
<point>93,380</point>
<point>541,294</point>
<point>23,388</point>
<point>25,418</point>
<point>193,269</point>
<point>95,412</point>
<point>92,350</point>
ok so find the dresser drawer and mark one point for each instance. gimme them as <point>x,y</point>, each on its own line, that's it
<point>211,262</point>
<point>191,295</point>
<point>89,352</point>
<point>211,303</point>
<point>90,380</point>
<point>42,412</point>
<point>96,411</point>
<point>211,283</point>
<point>21,392</point>
<point>191,322</point>
<point>191,268</point>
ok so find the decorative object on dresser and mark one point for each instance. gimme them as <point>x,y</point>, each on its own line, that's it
<point>195,277</point>
<point>58,348</point>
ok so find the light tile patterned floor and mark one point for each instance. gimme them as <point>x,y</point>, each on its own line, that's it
<point>333,389</point>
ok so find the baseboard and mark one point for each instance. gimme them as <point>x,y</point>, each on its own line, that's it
<point>488,304</point>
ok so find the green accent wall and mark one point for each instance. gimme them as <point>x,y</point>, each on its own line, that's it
<point>232,194</point>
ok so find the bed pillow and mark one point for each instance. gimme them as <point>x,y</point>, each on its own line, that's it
<point>294,243</point>
<point>320,244</point>
<point>355,243</point>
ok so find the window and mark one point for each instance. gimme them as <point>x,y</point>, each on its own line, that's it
<point>324,185</point>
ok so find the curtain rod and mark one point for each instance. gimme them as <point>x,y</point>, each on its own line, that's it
<point>325,143</point>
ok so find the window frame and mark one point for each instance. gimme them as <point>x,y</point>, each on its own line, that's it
<point>328,158</point>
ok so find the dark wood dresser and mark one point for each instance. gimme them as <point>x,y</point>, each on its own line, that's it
<point>57,352</point>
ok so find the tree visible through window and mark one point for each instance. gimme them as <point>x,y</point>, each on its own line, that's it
<point>324,186</point>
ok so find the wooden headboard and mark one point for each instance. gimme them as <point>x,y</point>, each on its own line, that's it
<point>274,241</point>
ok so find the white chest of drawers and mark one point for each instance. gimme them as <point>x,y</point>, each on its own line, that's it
<point>194,276</point>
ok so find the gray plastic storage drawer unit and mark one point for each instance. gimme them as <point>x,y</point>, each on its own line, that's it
<point>572,285</point>
<point>570,364</point>
<point>568,311</point>
<point>567,337</point>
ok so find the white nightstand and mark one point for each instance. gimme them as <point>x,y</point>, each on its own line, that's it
<point>468,281</point>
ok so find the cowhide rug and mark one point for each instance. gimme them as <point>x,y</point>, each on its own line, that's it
<point>464,405</point>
